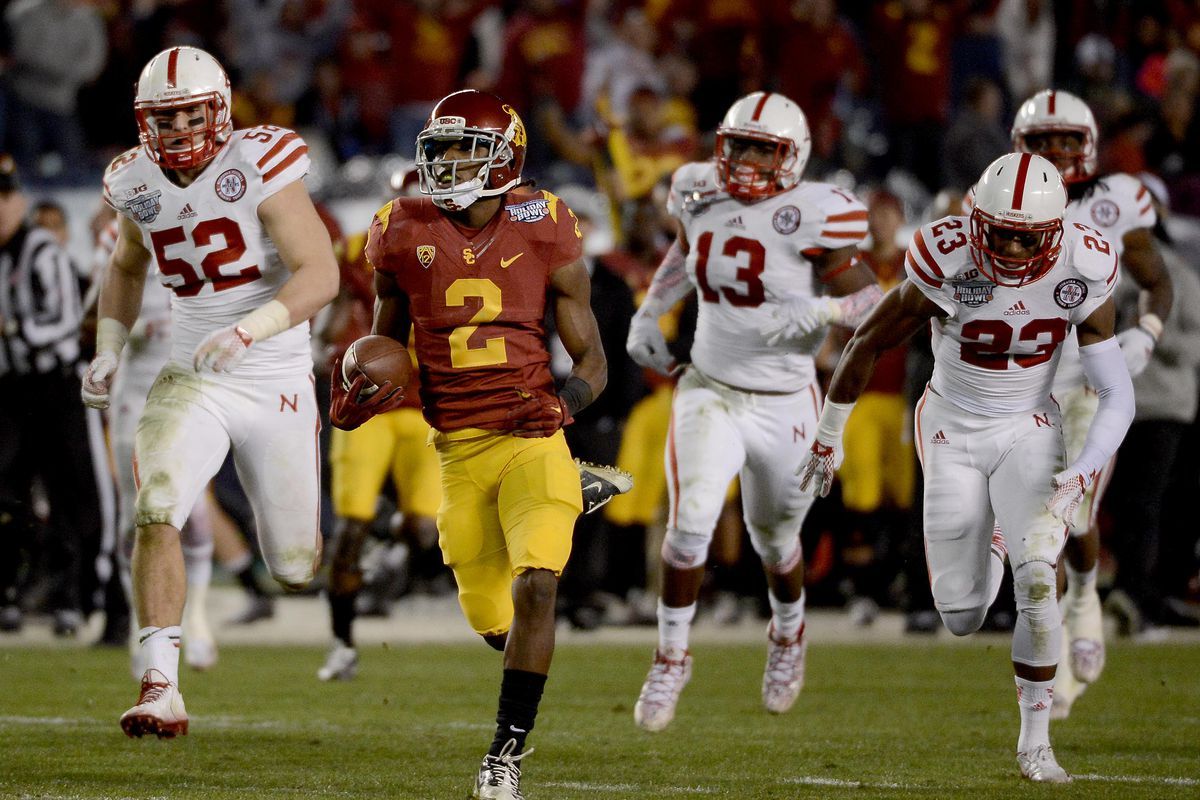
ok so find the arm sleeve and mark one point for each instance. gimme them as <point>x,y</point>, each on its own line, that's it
<point>1105,369</point>
<point>669,285</point>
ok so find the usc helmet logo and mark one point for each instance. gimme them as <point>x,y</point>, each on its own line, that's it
<point>517,127</point>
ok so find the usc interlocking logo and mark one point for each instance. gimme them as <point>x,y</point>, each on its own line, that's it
<point>468,256</point>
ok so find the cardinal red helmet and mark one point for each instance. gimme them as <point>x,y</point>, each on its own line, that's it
<point>473,146</point>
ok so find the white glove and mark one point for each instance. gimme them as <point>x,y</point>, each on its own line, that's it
<point>222,350</point>
<point>648,347</point>
<point>1136,346</point>
<point>799,317</point>
<point>1069,486</point>
<point>822,462</point>
<point>98,379</point>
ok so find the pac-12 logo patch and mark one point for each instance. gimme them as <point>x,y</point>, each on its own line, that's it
<point>145,207</point>
<point>1105,213</point>
<point>1070,293</point>
<point>786,220</point>
<point>231,185</point>
<point>425,254</point>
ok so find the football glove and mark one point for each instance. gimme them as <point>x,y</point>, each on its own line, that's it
<point>648,347</point>
<point>795,319</point>
<point>1068,487</point>
<point>818,470</point>
<point>1137,345</point>
<point>537,416</point>
<point>348,409</point>
<point>97,381</point>
<point>222,350</point>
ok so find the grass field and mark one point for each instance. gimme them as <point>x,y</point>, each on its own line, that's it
<point>888,721</point>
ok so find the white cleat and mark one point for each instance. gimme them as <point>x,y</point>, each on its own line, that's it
<point>600,484</point>
<point>159,709</point>
<point>499,777</point>
<point>1066,691</point>
<point>340,665</point>
<point>1040,766</point>
<point>660,693</point>
<point>784,676</point>
<point>1083,625</point>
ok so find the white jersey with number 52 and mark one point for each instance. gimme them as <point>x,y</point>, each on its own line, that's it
<point>996,350</point>
<point>209,244</point>
<point>744,259</point>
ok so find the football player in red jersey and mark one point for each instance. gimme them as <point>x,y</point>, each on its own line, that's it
<point>472,271</point>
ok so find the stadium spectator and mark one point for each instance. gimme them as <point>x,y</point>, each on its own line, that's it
<point>1026,28</point>
<point>977,136</point>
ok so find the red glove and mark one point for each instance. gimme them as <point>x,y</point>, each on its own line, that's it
<point>347,410</point>
<point>537,417</point>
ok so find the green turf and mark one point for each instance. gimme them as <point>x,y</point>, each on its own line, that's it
<point>919,721</point>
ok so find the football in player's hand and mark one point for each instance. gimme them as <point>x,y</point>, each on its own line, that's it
<point>380,359</point>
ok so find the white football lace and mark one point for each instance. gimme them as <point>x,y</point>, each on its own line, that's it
<point>663,681</point>
<point>503,771</point>
<point>782,662</point>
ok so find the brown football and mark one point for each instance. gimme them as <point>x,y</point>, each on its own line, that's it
<point>379,358</point>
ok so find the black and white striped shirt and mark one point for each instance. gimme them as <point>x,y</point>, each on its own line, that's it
<point>40,310</point>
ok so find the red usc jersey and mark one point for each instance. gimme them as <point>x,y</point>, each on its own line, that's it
<point>477,299</point>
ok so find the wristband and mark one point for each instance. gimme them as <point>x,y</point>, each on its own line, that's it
<point>1151,324</point>
<point>576,395</point>
<point>111,335</point>
<point>833,421</point>
<point>266,321</point>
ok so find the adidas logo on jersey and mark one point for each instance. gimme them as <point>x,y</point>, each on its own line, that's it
<point>735,222</point>
<point>1017,309</point>
<point>939,438</point>
<point>187,212</point>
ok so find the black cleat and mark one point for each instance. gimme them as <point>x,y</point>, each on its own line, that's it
<point>601,484</point>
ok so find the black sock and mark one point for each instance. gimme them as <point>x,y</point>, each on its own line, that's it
<point>520,693</point>
<point>341,609</point>
<point>246,578</point>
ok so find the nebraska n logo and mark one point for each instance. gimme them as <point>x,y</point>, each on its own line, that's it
<point>425,254</point>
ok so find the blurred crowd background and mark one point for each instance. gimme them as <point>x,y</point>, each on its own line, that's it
<point>907,100</point>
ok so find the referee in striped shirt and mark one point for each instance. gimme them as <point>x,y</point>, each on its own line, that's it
<point>43,428</point>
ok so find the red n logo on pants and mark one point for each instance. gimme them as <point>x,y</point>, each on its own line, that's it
<point>1042,420</point>
<point>283,401</point>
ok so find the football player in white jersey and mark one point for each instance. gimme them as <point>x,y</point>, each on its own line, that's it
<point>1060,127</point>
<point>1003,288</point>
<point>774,260</point>
<point>147,350</point>
<point>226,218</point>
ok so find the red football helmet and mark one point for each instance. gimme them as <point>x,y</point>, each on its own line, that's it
<point>451,167</point>
<point>182,78</point>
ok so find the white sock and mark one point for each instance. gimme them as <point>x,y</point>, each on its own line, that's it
<point>1033,698</point>
<point>674,625</point>
<point>787,618</point>
<point>195,612</point>
<point>159,649</point>
<point>1079,584</point>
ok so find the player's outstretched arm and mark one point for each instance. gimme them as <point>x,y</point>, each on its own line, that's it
<point>303,243</point>
<point>900,314</point>
<point>1106,372</point>
<point>1143,262</point>
<point>853,289</point>
<point>120,301</point>
<point>646,344</point>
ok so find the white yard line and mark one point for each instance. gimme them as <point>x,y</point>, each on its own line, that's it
<point>1153,780</point>
<point>589,786</point>
<point>812,780</point>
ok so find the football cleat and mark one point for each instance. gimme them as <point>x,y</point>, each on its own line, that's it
<point>655,706</point>
<point>1039,765</point>
<point>159,709</point>
<point>601,484</point>
<point>1083,625</point>
<point>784,675</point>
<point>499,776</point>
<point>340,665</point>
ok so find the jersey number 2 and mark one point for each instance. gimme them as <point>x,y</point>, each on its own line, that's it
<point>493,351</point>
<point>202,235</point>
